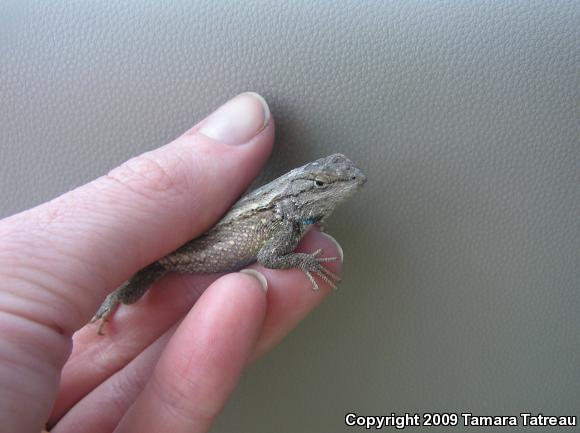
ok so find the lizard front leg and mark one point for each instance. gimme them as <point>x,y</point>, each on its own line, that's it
<point>277,253</point>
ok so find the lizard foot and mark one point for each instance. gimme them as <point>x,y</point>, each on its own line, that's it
<point>105,311</point>
<point>314,265</point>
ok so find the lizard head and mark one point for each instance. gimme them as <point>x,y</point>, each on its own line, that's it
<point>320,186</point>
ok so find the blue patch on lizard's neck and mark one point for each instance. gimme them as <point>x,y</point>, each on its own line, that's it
<point>310,221</point>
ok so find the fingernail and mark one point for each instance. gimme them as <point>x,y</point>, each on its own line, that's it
<point>258,276</point>
<point>336,244</point>
<point>238,120</point>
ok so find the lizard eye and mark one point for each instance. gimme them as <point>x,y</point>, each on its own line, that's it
<point>319,183</point>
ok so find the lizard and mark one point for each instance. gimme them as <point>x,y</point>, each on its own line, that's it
<point>264,226</point>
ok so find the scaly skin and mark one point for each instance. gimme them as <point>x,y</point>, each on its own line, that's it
<point>263,226</point>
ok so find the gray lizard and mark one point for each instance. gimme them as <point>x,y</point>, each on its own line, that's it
<point>263,226</point>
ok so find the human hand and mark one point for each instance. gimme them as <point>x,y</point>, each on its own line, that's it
<point>154,370</point>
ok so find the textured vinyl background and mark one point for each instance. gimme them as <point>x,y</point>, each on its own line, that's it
<point>462,270</point>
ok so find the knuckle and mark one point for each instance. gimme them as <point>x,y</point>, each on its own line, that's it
<point>127,385</point>
<point>150,176</point>
<point>176,399</point>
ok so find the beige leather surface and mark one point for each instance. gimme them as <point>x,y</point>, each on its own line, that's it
<point>461,279</point>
